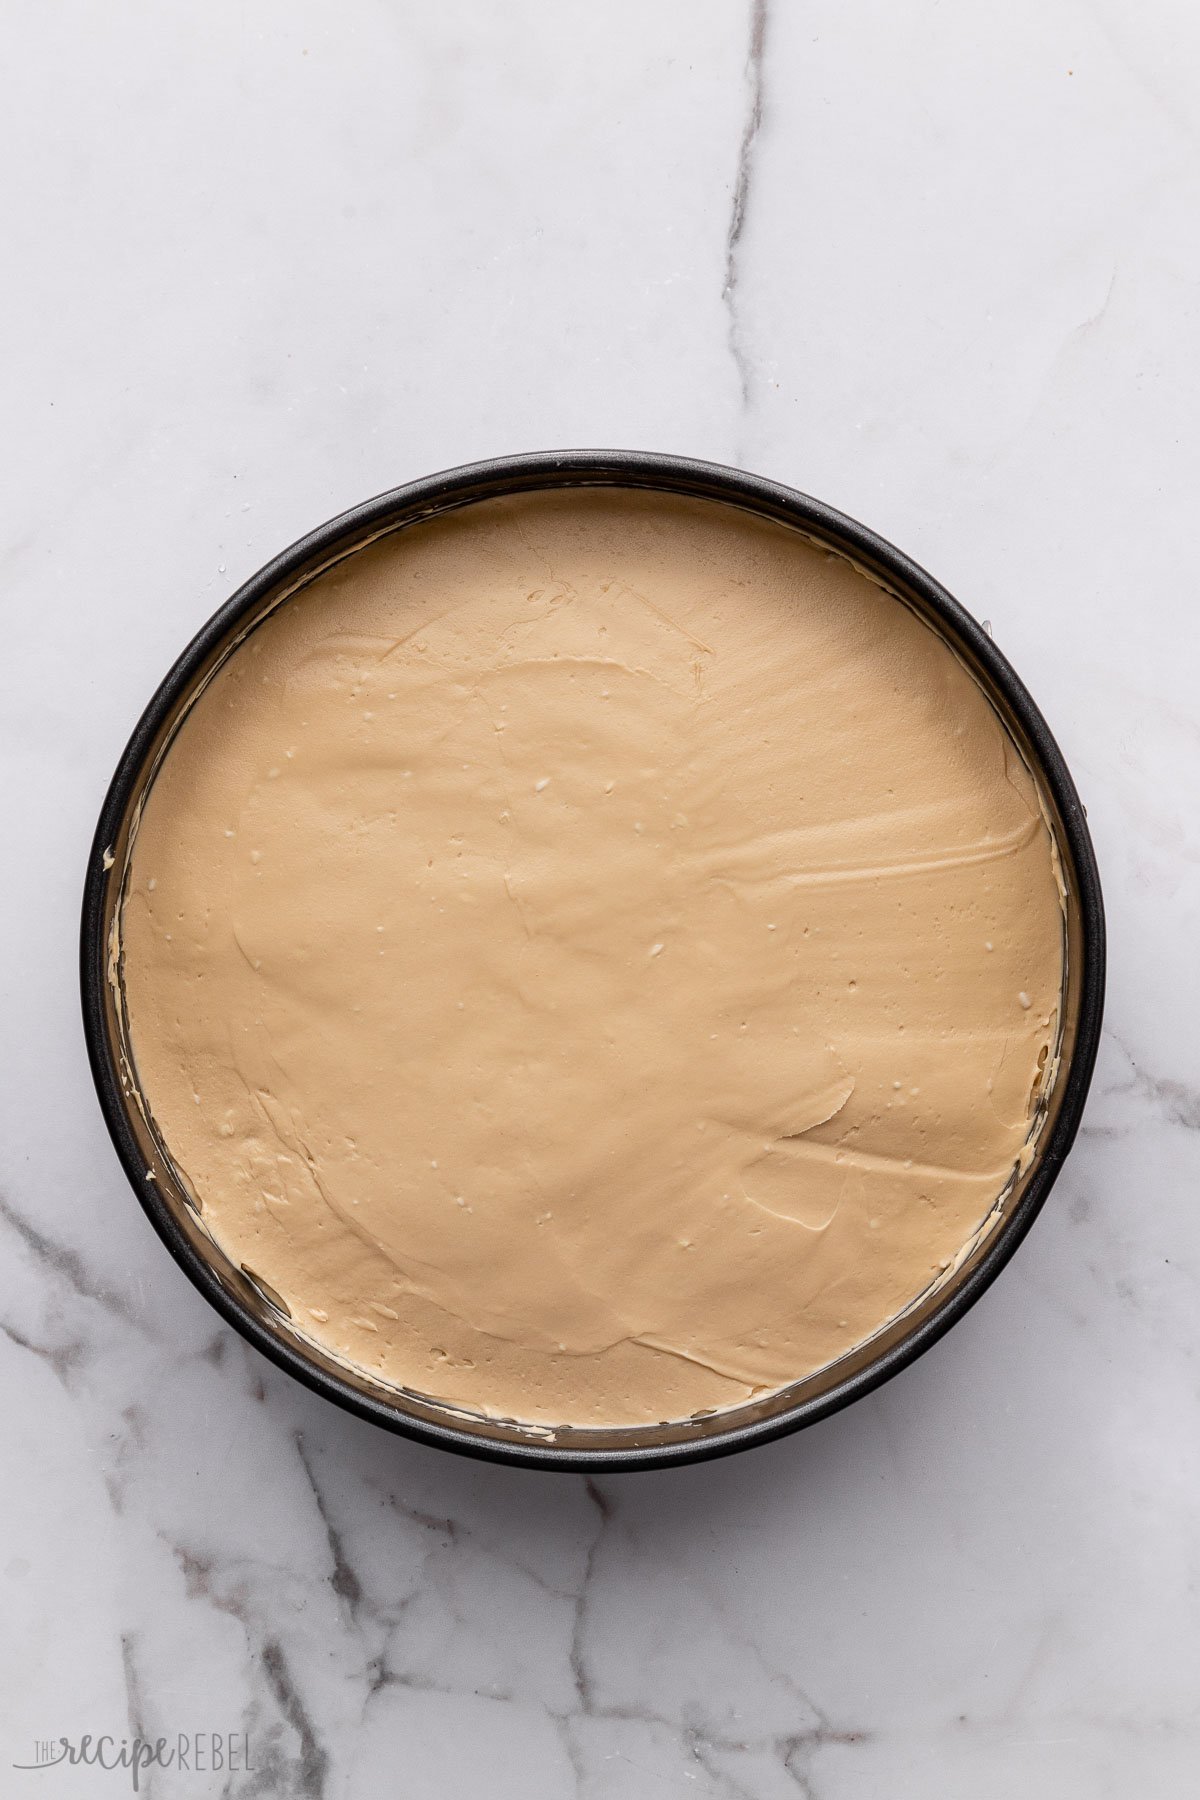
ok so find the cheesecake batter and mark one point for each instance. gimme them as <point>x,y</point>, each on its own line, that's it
<point>594,955</point>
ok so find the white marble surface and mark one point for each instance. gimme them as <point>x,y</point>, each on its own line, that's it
<point>263,261</point>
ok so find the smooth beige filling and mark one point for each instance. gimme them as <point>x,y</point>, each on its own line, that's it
<point>594,955</point>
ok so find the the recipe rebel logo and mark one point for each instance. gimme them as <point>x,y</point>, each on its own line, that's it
<point>194,1752</point>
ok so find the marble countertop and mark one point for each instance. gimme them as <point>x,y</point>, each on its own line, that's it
<point>938,265</point>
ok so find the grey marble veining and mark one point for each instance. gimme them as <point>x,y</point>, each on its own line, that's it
<point>938,265</point>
